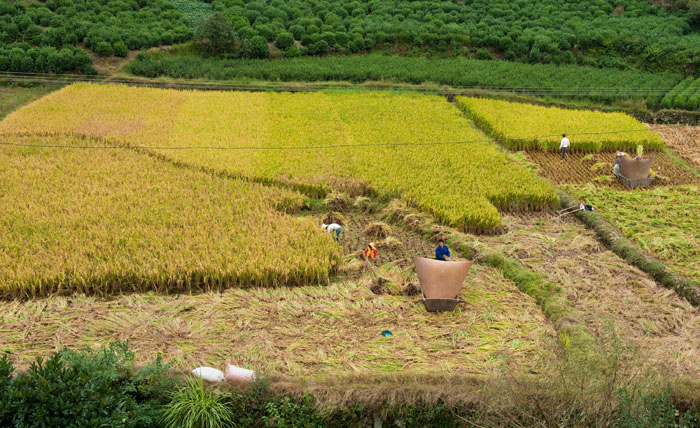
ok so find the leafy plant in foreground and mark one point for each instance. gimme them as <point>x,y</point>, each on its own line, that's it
<point>194,406</point>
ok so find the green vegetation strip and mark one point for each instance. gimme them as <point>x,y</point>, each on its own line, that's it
<point>460,72</point>
<point>631,252</point>
<point>567,321</point>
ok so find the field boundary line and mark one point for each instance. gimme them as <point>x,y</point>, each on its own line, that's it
<point>633,254</point>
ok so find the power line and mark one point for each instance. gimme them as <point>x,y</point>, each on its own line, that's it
<point>317,147</point>
<point>310,86</point>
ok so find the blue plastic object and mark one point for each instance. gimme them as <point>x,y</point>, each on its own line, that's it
<point>387,333</point>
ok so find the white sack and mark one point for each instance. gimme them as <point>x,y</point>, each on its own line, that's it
<point>239,374</point>
<point>209,374</point>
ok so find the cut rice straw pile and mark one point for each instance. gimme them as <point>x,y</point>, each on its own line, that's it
<point>293,331</point>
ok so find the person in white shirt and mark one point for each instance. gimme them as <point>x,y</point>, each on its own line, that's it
<point>333,227</point>
<point>564,145</point>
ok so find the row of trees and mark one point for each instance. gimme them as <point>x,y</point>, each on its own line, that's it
<point>47,59</point>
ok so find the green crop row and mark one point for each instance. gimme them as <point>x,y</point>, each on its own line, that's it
<point>685,96</point>
<point>538,79</point>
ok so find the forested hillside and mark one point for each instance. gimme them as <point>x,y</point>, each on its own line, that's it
<point>52,35</point>
<point>607,33</point>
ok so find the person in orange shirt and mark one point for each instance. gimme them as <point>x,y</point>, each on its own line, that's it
<point>371,252</point>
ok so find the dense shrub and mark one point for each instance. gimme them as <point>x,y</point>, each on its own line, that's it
<point>85,389</point>
<point>120,49</point>
<point>103,49</point>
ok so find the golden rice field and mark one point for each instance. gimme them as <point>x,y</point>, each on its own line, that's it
<point>461,184</point>
<point>526,126</point>
<point>110,221</point>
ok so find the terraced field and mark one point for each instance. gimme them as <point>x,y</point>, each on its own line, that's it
<point>523,126</point>
<point>187,250</point>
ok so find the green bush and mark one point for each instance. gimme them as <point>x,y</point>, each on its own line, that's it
<point>255,47</point>
<point>650,411</point>
<point>292,52</point>
<point>120,49</point>
<point>86,389</point>
<point>284,40</point>
<point>6,370</point>
<point>483,54</point>
<point>103,49</point>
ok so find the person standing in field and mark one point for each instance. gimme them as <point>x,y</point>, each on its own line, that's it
<point>442,252</point>
<point>333,227</point>
<point>564,145</point>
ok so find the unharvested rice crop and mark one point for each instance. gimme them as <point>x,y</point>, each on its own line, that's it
<point>462,184</point>
<point>525,126</point>
<point>663,220</point>
<point>111,221</point>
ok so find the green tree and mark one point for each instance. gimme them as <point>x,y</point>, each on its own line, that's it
<point>255,47</point>
<point>216,33</point>
<point>103,49</point>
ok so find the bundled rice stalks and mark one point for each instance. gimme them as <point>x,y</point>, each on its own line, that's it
<point>377,229</point>
<point>337,201</point>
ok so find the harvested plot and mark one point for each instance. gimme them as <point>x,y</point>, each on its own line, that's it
<point>302,331</point>
<point>530,127</point>
<point>347,141</point>
<point>611,294</point>
<point>685,139</point>
<point>111,221</point>
<point>664,220</point>
<point>597,168</point>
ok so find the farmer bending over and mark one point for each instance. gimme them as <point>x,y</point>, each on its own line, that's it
<point>564,145</point>
<point>333,227</point>
<point>371,252</point>
<point>442,252</point>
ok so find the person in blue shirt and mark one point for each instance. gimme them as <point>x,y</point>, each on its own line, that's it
<point>442,252</point>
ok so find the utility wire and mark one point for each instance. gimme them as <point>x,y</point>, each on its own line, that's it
<point>317,147</point>
<point>73,78</point>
